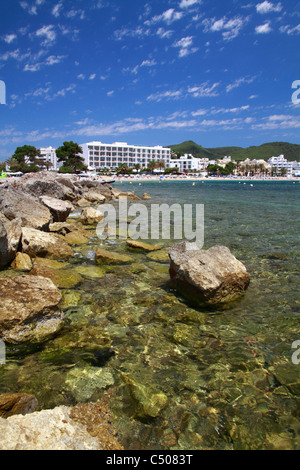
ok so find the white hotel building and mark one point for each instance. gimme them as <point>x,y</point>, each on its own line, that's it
<point>98,155</point>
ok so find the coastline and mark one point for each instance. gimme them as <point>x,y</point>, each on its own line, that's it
<point>199,179</point>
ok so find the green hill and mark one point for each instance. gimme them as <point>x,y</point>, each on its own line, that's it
<point>265,151</point>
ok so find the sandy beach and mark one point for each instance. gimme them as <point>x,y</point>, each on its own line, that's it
<point>192,178</point>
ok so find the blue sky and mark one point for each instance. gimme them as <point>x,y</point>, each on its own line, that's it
<point>148,72</point>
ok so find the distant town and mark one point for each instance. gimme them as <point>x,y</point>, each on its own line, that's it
<point>121,158</point>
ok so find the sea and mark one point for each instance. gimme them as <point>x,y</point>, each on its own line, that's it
<point>176,376</point>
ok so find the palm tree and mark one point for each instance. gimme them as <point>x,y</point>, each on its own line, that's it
<point>160,164</point>
<point>152,165</point>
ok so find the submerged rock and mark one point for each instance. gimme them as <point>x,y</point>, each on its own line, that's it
<point>84,382</point>
<point>210,277</point>
<point>29,309</point>
<point>110,257</point>
<point>150,402</point>
<point>142,246</point>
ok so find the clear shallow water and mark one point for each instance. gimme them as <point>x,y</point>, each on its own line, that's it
<point>213,381</point>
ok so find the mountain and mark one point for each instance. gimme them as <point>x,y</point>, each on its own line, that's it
<point>264,151</point>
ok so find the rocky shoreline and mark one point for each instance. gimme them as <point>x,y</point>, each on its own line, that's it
<point>37,238</point>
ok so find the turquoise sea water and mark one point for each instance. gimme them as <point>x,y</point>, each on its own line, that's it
<point>178,377</point>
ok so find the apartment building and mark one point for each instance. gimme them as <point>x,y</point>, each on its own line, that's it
<point>187,163</point>
<point>280,162</point>
<point>48,154</point>
<point>98,155</point>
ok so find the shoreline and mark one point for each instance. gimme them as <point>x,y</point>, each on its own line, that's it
<point>199,179</point>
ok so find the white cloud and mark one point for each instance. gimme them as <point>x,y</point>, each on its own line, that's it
<point>56,10</point>
<point>159,96</point>
<point>230,28</point>
<point>268,7</point>
<point>74,13</point>
<point>31,9</point>
<point>184,45</point>
<point>138,32</point>
<point>92,76</point>
<point>290,30</point>
<point>110,93</point>
<point>168,16</point>
<point>263,28</point>
<point>188,3</point>
<point>51,60</point>
<point>240,81</point>
<point>48,33</point>
<point>204,90</point>
<point>162,33</point>
<point>9,38</point>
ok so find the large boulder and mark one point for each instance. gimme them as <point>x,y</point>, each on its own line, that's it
<point>42,244</point>
<point>59,209</point>
<point>90,216</point>
<point>47,183</point>
<point>10,235</point>
<point>16,204</point>
<point>207,277</point>
<point>29,309</point>
<point>82,427</point>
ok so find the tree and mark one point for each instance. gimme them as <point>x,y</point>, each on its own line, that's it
<point>24,159</point>
<point>152,165</point>
<point>160,164</point>
<point>68,153</point>
<point>123,169</point>
<point>230,167</point>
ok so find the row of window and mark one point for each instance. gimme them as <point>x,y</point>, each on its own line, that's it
<point>119,160</point>
<point>126,150</point>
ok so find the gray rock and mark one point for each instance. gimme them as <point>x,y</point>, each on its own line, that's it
<point>29,309</point>
<point>59,209</point>
<point>42,244</point>
<point>15,204</point>
<point>10,236</point>
<point>207,277</point>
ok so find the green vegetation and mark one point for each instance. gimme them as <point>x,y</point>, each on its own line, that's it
<point>68,153</point>
<point>265,151</point>
<point>219,170</point>
<point>25,159</point>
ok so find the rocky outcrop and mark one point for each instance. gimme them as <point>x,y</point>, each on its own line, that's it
<point>15,204</point>
<point>37,243</point>
<point>60,210</point>
<point>207,277</point>
<point>10,235</point>
<point>29,309</point>
<point>82,427</point>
